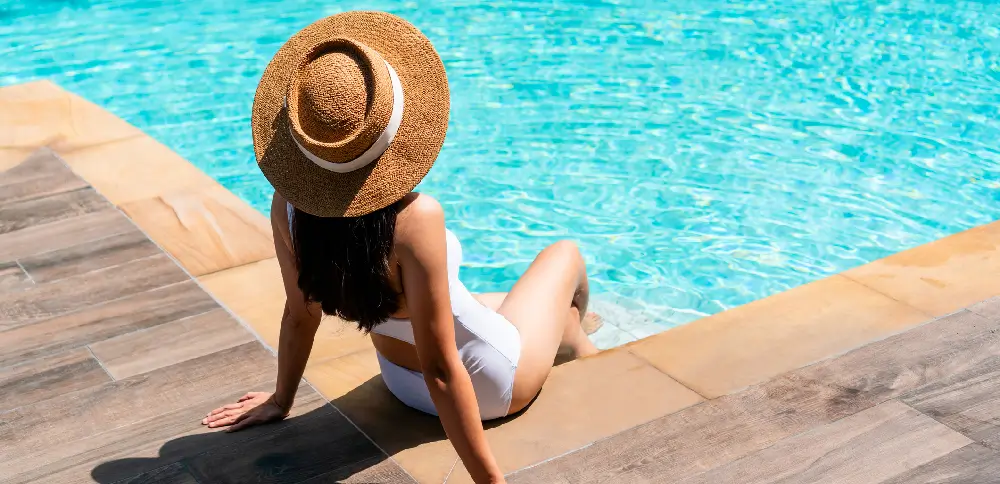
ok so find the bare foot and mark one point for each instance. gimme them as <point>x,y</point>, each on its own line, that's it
<point>591,323</point>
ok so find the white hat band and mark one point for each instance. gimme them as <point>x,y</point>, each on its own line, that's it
<point>381,144</point>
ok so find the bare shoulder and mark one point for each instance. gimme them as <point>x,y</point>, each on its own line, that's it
<point>420,223</point>
<point>419,215</point>
<point>279,218</point>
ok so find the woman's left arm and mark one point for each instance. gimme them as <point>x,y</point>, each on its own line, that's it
<point>421,250</point>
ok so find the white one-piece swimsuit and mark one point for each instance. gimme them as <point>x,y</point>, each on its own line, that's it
<point>488,344</point>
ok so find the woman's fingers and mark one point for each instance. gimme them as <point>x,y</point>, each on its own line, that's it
<point>222,422</point>
<point>241,421</point>
<point>248,396</point>
<point>221,415</point>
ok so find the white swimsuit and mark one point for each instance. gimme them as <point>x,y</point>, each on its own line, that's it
<point>488,344</point>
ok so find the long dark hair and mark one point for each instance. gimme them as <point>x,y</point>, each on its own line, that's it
<point>343,264</point>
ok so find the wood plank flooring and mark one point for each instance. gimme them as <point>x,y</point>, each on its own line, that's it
<point>110,356</point>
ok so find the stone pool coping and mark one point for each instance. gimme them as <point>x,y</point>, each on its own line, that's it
<point>226,245</point>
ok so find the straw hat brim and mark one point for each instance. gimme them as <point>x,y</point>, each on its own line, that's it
<point>416,145</point>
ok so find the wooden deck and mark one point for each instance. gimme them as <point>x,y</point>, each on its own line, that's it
<point>110,354</point>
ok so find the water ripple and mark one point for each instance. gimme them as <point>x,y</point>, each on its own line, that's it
<point>704,153</point>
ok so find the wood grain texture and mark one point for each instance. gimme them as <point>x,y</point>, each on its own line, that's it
<point>989,308</point>
<point>13,278</point>
<point>376,470</point>
<point>52,208</point>
<point>170,343</point>
<point>175,473</point>
<point>107,320</point>
<point>44,301</point>
<point>45,378</point>
<point>725,429</point>
<point>865,448</point>
<point>972,464</point>
<point>63,233</point>
<point>326,443</point>
<point>89,256</point>
<point>51,424</point>
<point>132,450</point>
<point>40,174</point>
<point>968,402</point>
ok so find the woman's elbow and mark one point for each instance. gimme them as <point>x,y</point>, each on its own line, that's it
<point>298,322</point>
<point>441,374</point>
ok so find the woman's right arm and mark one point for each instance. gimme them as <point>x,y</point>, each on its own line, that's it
<point>299,323</point>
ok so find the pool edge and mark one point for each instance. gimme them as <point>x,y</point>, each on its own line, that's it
<point>227,246</point>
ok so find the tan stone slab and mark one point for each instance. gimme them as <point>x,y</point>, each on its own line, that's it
<point>136,168</point>
<point>170,343</point>
<point>940,277</point>
<point>582,402</point>
<point>207,229</point>
<point>254,292</point>
<point>752,343</point>
<point>41,113</point>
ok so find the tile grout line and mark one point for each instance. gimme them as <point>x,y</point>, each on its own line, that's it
<point>668,375</point>
<point>899,400</point>
<point>904,303</point>
<point>207,274</point>
<point>101,363</point>
<point>102,269</point>
<point>156,326</point>
<point>573,451</point>
<point>32,279</point>
<point>92,241</point>
<point>92,306</point>
<point>453,466</point>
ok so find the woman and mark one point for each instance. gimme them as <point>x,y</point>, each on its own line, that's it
<point>348,118</point>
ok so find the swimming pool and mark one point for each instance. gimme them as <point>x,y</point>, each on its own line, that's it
<point>704,153</point>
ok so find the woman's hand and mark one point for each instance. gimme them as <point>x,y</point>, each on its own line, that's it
<point>254,408</point>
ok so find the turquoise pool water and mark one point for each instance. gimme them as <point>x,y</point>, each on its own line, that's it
<point>704,153</point>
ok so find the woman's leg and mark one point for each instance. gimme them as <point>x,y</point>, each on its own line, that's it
<point>546,305</point>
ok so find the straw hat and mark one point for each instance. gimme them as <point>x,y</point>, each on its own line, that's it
<point>350,114</point>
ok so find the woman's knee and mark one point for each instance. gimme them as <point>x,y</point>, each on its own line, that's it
<point>568,249</point>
